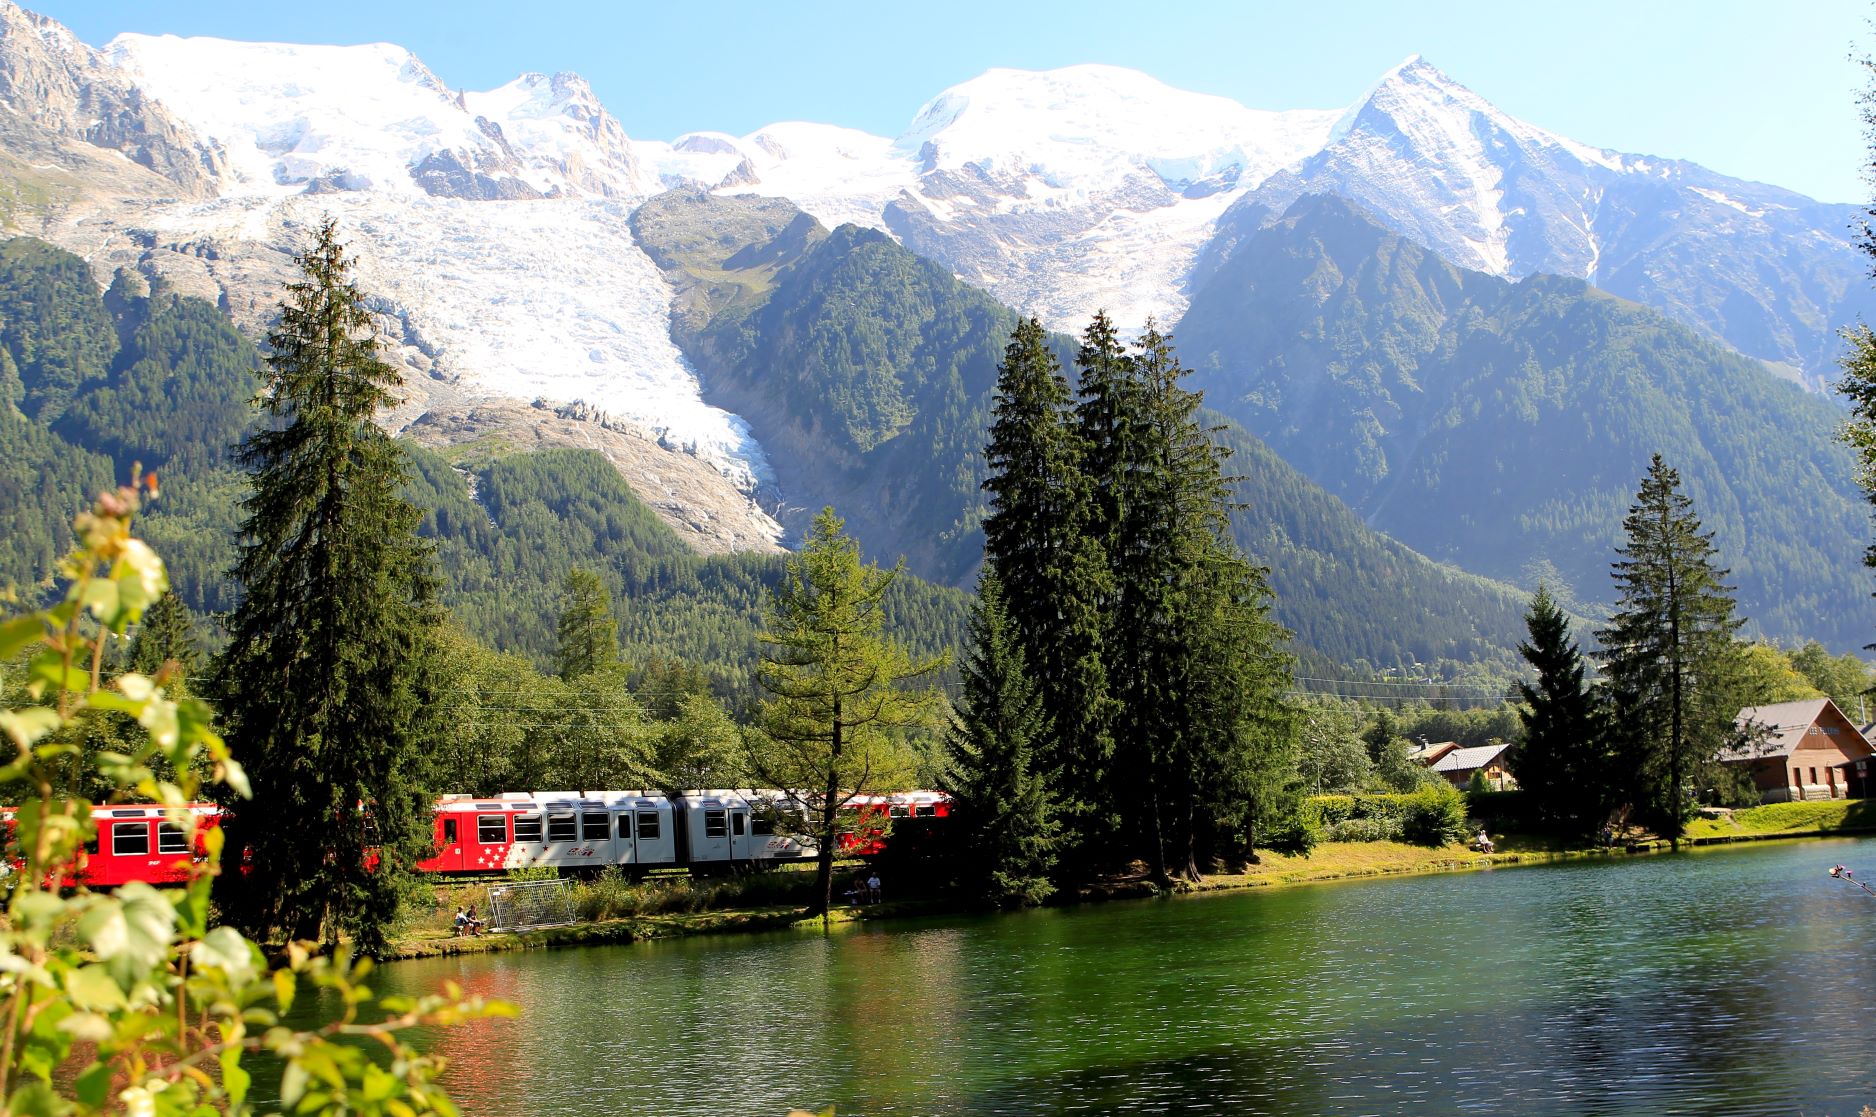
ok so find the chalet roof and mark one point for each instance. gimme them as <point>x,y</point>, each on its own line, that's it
<point>1785,725</point>
<point>1468,760</point>
<point>1428,754</point>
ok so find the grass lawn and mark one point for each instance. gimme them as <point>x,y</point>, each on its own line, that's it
<point>1823,816</point>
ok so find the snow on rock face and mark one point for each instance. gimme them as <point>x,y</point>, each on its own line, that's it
<point>564,138</point>
<point>294,118</point>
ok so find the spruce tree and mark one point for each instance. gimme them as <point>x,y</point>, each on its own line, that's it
<point>1668,649</point>
<point>326,686</point>
<point>588,636</point>
<point>1564,762</point>
<point>167,636</point>
<point>1038,544</point>
<point>1000,801</point>
<point>836,683</point>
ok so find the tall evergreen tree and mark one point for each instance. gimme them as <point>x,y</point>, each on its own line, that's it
<point>327,682</point>
<point>588,634</point>
<point>1668,649</point>
<point>1038,545</point>
<point>835,684</point>
<point>1564,763</point>
<point>167,635</point>
<point>1000,799</point>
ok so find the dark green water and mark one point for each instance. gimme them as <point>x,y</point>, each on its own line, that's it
<point>1735,981</point>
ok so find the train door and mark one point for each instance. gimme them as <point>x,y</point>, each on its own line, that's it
<point>563,836</point>
<point>657,835</point>
<point>624,835</point>
<point>530,844</point>
<point>451,842</point>
<point>707,822</point>
<point>595,835</point>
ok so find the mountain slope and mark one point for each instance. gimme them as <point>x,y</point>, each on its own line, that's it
<point>1497,425</point>
<point>868,372</point>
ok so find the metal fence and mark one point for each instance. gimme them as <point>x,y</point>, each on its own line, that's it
<point>525,905</point>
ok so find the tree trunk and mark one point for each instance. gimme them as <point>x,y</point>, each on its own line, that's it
<point>824,868</point>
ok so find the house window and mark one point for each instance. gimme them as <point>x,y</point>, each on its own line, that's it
<point>171,838</point>
<point>1797,778</point>
<point>593,826</point>
<point>714,824</point>
<point>491,829</point>
<point>527,828</point>
<point>1814,776</point>
<point>563,828</point>
<point>130,839</point>
<point>648,826</point>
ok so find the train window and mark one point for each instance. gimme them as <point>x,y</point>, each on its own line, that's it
<point>714,825</point>
<point>563,828</point>
<point>171,838</point>
<point>130,839</point>
<point>593,826</point>
<point>625,826</point>
<point>449,831</point>
<point>91,843</point>
<point>760,826</point>
<point>737,821</point>
<point>648,826</point>
<point>926,810</point>
<point>527,828</point>
<point>491,829</point>
<point>895,812</point>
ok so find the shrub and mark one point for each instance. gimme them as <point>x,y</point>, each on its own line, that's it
<point>1434,815</point>
<point>1367,830</point>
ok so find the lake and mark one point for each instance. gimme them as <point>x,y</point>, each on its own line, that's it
<point>1723,981</point>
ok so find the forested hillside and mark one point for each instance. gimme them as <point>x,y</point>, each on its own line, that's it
<point>867,372</point>
<point>137,376</point>
<point>1502,426</point>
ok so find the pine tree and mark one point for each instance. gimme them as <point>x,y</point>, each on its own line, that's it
<point>167,635</point>
<point>1038,545</point>
<point>1000,800</point>
<point>1668,648</point>
<point>1564,763</point>
<point>327,681</point>
<point>588,634</point>
<point>835,684</point>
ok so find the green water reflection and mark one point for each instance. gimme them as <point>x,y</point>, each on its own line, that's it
<point>1726,982</point>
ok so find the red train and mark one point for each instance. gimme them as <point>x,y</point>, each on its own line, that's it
<point>635,830</point>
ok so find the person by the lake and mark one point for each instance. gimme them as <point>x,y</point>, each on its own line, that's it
<point>471,923</point>
<point>872,888</point>
<point>1483,843</point>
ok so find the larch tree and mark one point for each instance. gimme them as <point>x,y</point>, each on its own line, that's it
<point>1001,801</point>
<point>587,635</point>
<point>1564,762</point>
<point>327,682</point>
<point>167,636</point>
<point>836,685</point>
<point>1668,651</point>
<point>1038,544</point>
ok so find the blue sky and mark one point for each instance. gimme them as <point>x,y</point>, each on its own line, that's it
<point>1758,90</point>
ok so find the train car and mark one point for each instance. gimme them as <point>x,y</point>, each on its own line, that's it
<point>735,829</point>
<point>555,829</point>
<point>872,816</point>
<point>139,842</point>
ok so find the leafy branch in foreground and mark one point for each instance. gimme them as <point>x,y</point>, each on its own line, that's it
<point>132,1001</point>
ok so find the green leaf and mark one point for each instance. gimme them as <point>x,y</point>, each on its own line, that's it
<point>20,633</point>
<point>130,932</point>
<point>225,949</point>
<point>235,1078</point>
<point>94,1086</point>
<point>37,1099</point>
<point>285,984</point>
<point>91,987</point>
<point>29,724</point>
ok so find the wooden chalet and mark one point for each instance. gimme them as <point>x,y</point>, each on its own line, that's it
<point>1458,765</point>
<point>1802,750</point>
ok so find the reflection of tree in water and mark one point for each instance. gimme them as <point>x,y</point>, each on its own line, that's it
<point>903,1012</point>
<point>487,1061</point>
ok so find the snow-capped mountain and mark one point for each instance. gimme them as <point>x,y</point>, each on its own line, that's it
<point>1769,271</point>
<point>494,225</point>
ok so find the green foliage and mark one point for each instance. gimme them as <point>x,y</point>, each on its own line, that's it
<point>836,686</point>
<point>329,677</point>
<point>53,327</point>
<point>1332,757</point>
<point>1001,799</point>
<point>1423,395</point>
<point>1845,678</point>
<point>1668,652</point>
<point>134,1001</point>
<point>588,636</point>
<point>1565,761</point>
<point>1435,815</point>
